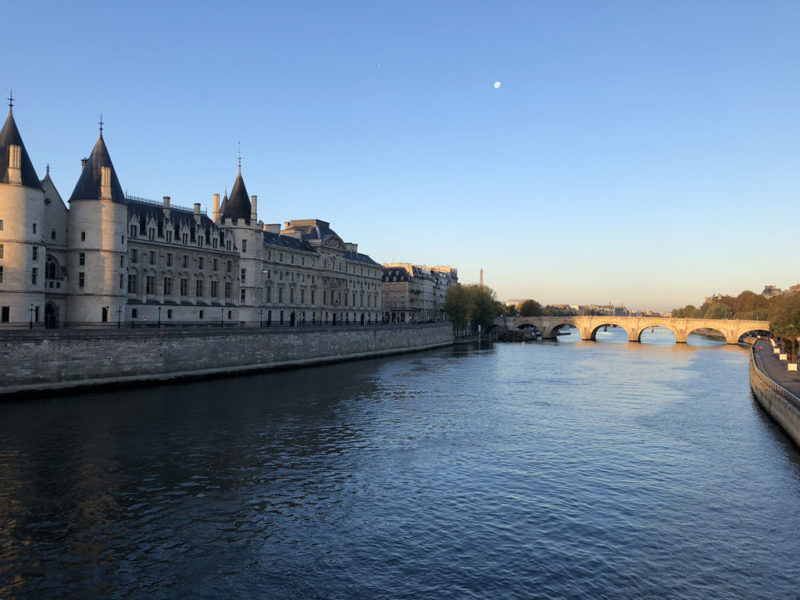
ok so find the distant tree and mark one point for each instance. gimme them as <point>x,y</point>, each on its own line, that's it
<point>473,304</point>
<point>687,312</point>
<point>718,310</point>
<point>784,321</point>
<point>456,305</point>
<point>557,311</point>
<point>530,308</point>
<point>511,310</point>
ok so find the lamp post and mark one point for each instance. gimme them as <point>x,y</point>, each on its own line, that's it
<point>260,317</point>
<point>119,317</point>
<point>221,317</point>
<point>30,325</point>
<point>108,315</point>
<point>159,317</point>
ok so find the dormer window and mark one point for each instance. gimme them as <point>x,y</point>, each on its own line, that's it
<point>169,235</point>
<point>151,233</point>
<point>214,242</point>
<point>185,238</point>
<point>133,231</point>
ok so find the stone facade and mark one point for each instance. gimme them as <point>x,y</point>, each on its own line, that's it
<point>114,259</point>
<point>415,293</point>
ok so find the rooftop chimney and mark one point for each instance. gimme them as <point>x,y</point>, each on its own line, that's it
<point>215,214</point>
<point>254,210</point>
<point>83,162</point>
<point>166,207</point>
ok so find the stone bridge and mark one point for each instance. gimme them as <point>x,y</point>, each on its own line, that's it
<point>730,329</point>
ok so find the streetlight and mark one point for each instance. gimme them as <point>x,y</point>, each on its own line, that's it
<point>260,317</point>
<point>107,315</point>
<point>30,325</point>
<point>221,316</point>
<point>119,317</point>
<point>159,317</point>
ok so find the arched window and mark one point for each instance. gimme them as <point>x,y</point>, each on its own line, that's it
<point>52,270</point>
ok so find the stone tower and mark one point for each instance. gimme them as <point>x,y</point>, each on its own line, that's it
<point>97,248</point>
<point>22,250</point>
<point>239,216</point>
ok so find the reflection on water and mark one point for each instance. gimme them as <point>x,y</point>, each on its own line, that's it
<point>521,470</point>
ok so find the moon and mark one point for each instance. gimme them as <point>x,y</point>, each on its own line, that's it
<point>497,85</point>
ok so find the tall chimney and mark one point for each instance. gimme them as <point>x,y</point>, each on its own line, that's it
<point>197,212</point>
<point>215,214</point>
<point>166,207</point>
<point>254,210</point>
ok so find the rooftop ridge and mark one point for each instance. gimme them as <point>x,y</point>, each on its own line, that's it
<point>157,203</point>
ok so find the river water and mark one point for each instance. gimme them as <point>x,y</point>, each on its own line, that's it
<point>540,470</point>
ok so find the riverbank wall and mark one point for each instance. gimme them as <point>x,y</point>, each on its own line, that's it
<point>45,362</point>
<point>780,403</point>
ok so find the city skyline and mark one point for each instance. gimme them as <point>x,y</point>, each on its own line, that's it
<point>633,154</point>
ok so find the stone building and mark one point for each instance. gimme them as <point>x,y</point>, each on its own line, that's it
<point>111,259</point>
<point>415,293</point>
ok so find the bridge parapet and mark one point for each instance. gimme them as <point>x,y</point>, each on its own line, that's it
<point>731,329</point>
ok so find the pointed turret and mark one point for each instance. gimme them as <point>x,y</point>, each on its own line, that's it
<point>98,180</point>
<point>15,164</point>
<point>237,205</point>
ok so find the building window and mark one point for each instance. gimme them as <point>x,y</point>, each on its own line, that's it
<point>244,246</point>
<point>122,262</point>
<point>5,312</point>
<point>169,235</point>
<point>122,240</point>
<point>184,287</point>
<point>53,234</point>
<point>214,243</point>
<point>35,252</point>
<point>121,281</point>
<point>134,256</point>
<point>186,239</point>
<point>81,279</point>
<point>244,274</point>
<point>302,296</point>
<point>150,284</point>
<point>213,289</point>
<point>104,315</point>
<point>227,289</point>
<point>34,275</point>
<point>34,227</point>
<point>169,259</point>
<point>1,250</point>
<point>201,314</point>
<point>228,245</point>
<point>152,258</point>
<point>200,239</point>
<point>200,263</point>
<point>242,294</point>
<point>215,264</point>
<point>83,234</point>
<point>280,294</point>
<point>291,295</point>
<point>1,274</point>
<point>312,296</point>
<point>169,313</point>
<point>185,261</point>
<point>133,231</point>
<point>132,283</point>
<point>134,313</point>
<point>151,233</point>
<point>229,267</point>
<point>1,229</point>
<point>167,286</point>
<point>230,315</point>
<point>198,288</point>
<point>82,258</point>
<point>269,294</point>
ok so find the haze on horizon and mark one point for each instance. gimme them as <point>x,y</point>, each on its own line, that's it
<point>638,153</point>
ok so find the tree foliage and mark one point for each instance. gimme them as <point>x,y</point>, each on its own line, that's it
<point>473,304</point>
<point>530,308</point>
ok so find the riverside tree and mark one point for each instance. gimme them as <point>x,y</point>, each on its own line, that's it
<point>473,304</point>
<point>530,308</point>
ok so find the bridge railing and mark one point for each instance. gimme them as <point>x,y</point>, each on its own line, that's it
<point>767,382</point>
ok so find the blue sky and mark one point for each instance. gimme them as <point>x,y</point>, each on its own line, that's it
<point>643,153</point>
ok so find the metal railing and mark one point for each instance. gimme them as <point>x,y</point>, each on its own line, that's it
<point>157,203</point>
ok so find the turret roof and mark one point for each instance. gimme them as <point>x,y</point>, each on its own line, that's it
<point>237,206</point>
<point>9,136</point>
<point>88,186</point>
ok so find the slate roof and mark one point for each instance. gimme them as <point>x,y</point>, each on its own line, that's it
<point>237,206</point>
<point>145,211</point>
<point>286,241</point>
<point>362,258</point>
<point>88,186</point>
<point>9,136</point>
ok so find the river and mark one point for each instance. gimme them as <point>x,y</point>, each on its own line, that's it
<point>539,470</point>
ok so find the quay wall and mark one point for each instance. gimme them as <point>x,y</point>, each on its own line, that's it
<point>41,362</point>
<point>780,403</point>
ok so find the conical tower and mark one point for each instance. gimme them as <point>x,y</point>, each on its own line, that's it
<point>97,254</point>
<point>22,251</point>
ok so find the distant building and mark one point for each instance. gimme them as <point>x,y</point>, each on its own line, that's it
<point>415,293</point>
<point>770,291</point>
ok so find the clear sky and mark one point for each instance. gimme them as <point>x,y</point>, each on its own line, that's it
<point>641,152</point>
